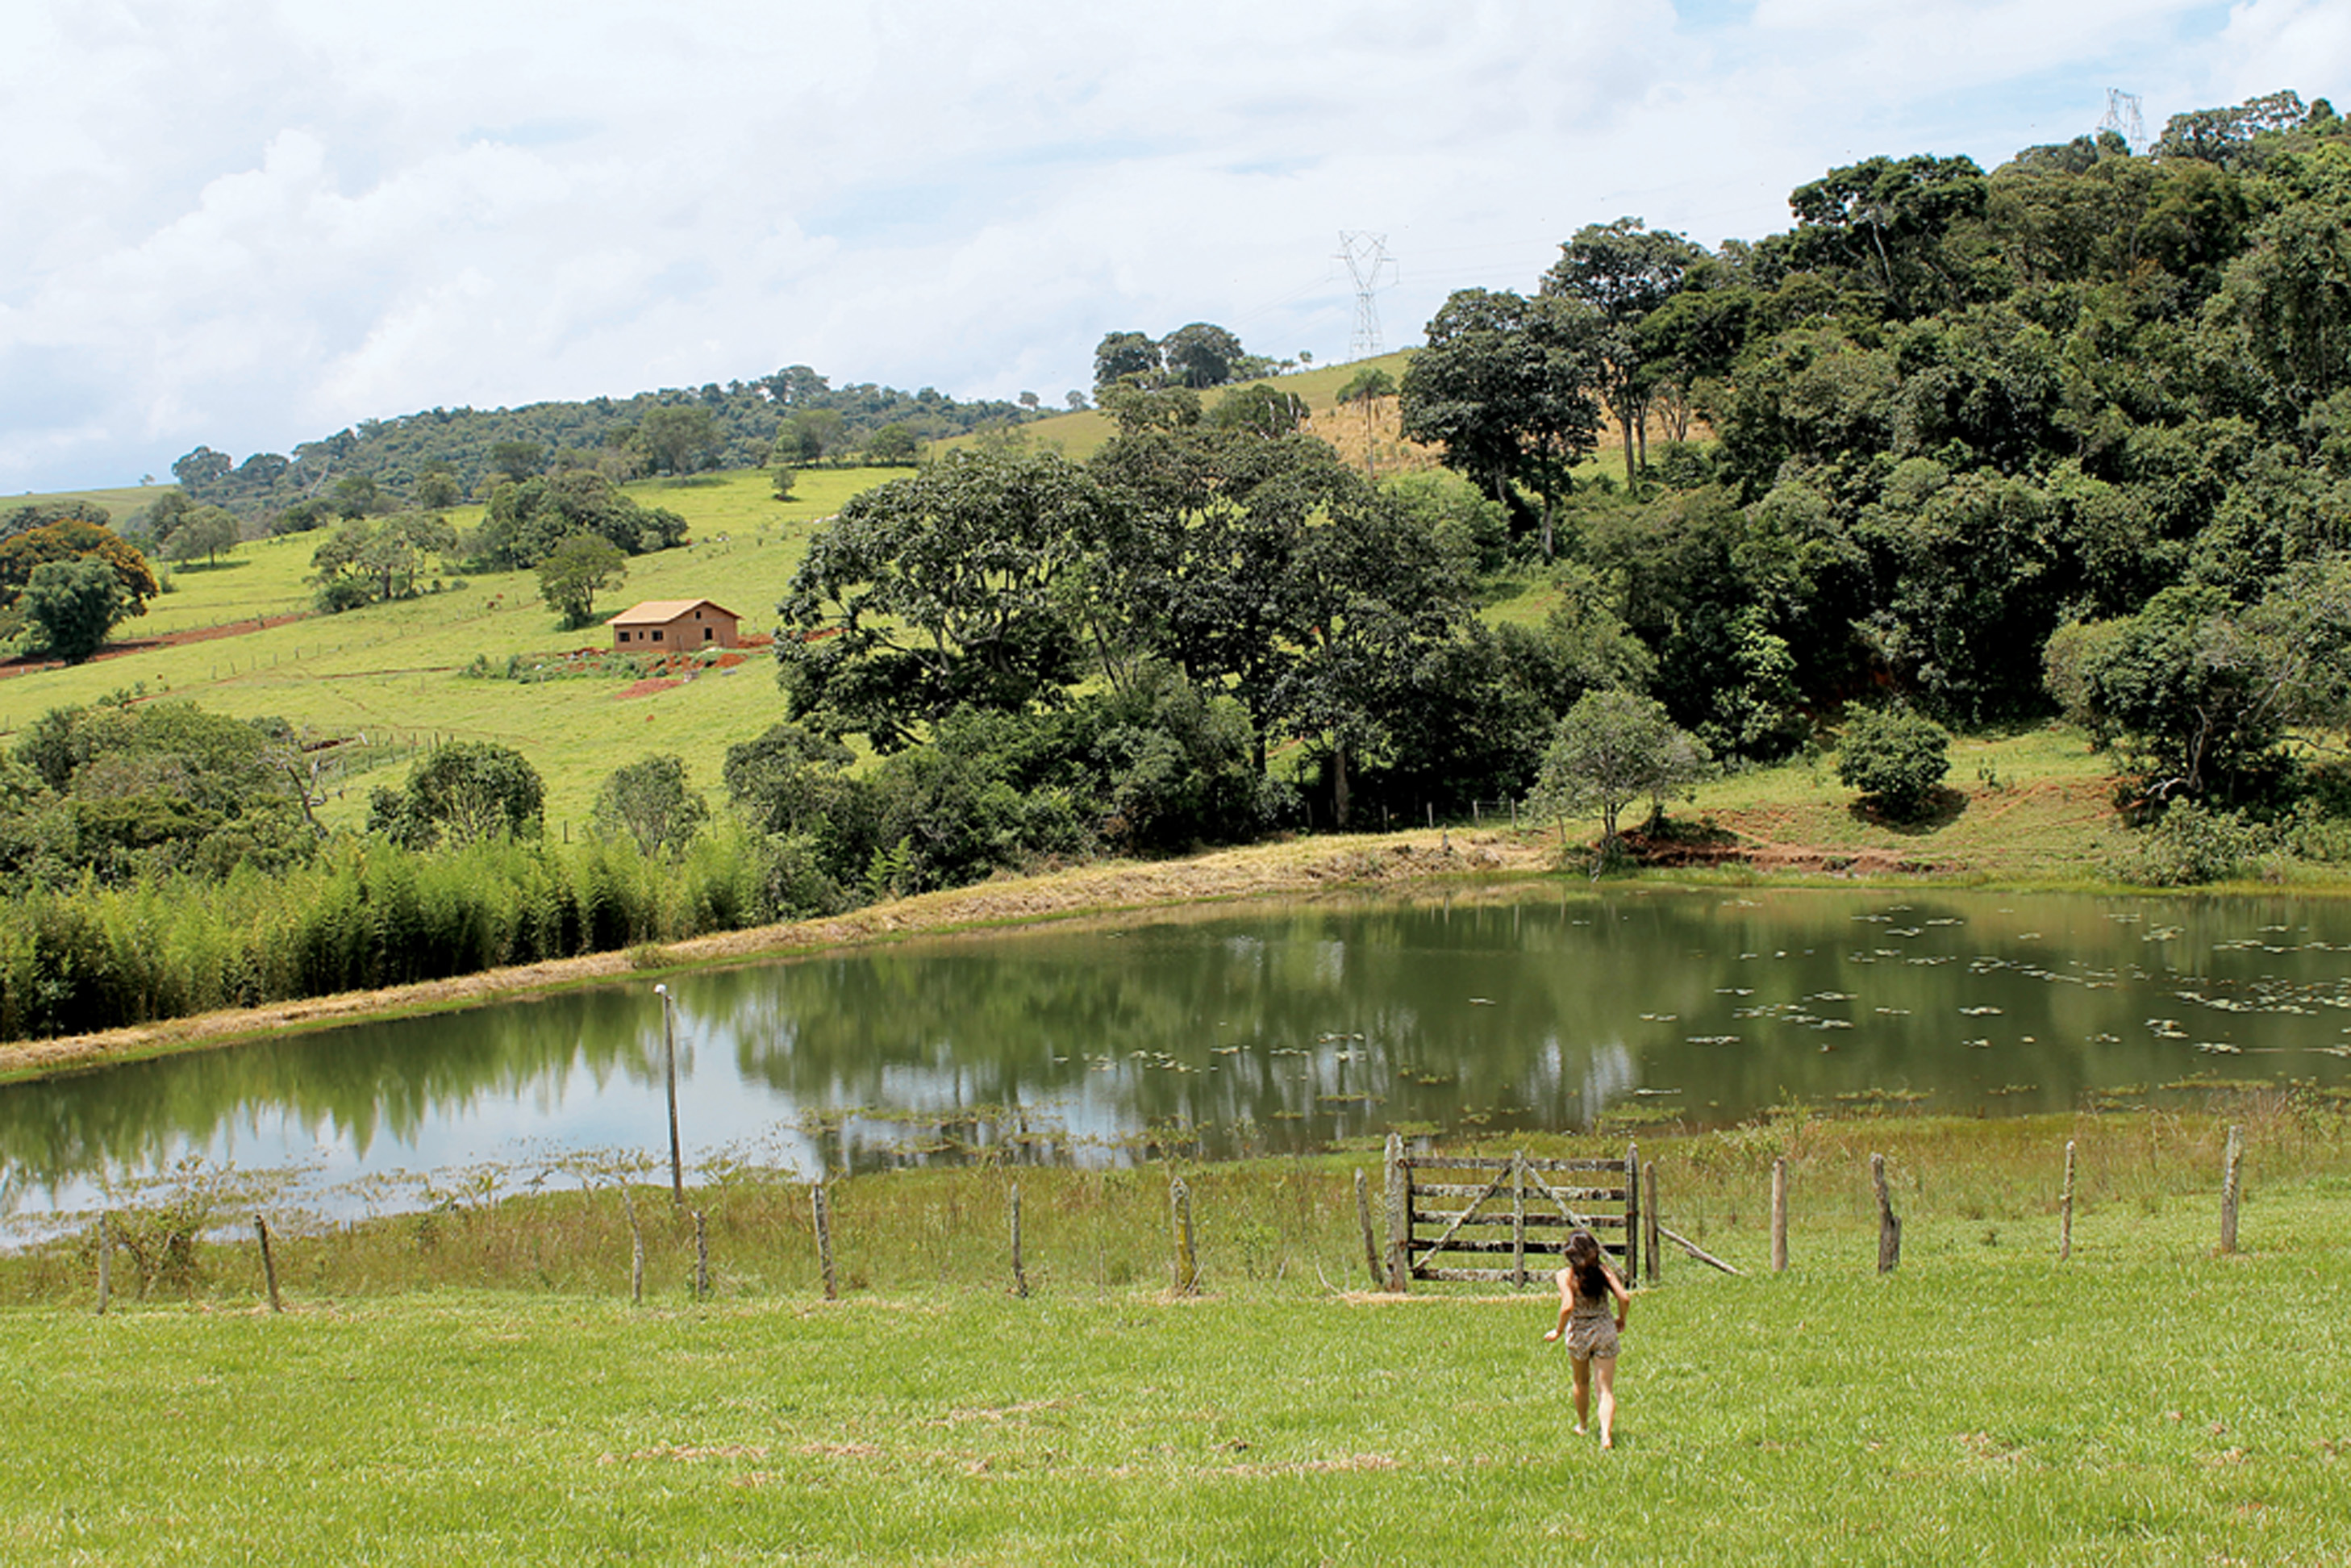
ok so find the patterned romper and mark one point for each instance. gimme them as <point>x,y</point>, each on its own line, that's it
<point>1592,1327</point>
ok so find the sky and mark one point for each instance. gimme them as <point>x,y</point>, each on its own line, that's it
<point>247,225</point>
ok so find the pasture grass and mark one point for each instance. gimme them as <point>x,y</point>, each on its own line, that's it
<point>393,670</point>
<point>2148,1402</point>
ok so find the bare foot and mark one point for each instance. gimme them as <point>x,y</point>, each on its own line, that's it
<point>1579,1431</point>
<point>1607,1440</point>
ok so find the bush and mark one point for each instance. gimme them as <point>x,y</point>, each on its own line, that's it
<point>1896,757</point>
<point>2192,843</point>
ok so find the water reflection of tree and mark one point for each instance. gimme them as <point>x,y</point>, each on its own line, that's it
<point>353,1085</point>
<point>1491,1011</point>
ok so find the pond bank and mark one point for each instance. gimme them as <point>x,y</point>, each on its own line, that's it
<point>1292,866</point>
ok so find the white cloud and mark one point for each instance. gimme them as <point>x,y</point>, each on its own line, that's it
<point>247,224</point>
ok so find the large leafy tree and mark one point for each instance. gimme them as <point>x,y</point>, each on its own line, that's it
<point>1507,386</point>
<point>1201,355</point>
<point>1623,272</point>
<point>947,589</point>
<point>73,538</point>
<point>1133,357</point>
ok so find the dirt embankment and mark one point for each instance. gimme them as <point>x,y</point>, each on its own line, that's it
<point>1298,866</point>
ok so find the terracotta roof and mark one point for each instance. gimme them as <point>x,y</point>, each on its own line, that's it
<point>661,612</point>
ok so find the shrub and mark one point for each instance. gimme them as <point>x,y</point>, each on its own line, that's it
<point>1896,757</point>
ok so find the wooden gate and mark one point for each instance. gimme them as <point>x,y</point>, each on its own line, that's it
<point>1517,1211</point>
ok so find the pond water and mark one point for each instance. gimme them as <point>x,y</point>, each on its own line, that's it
<point>1246,1028</point>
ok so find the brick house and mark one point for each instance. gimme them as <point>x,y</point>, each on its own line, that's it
<point>674,626</point>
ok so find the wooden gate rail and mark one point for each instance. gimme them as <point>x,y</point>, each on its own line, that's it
<point>1539,1214</point>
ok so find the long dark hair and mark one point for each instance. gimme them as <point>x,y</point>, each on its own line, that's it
<point>1590,1275</point>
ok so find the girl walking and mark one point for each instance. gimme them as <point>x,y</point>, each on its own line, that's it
<point>1592,1306</point>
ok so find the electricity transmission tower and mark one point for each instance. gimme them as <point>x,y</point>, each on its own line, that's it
<point>1366,256</point>
<point>2123,118</point>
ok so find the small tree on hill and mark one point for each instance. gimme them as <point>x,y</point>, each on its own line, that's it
<point>648,800</point>
<point>1895,757</point>
<point>576,570</point>
<point>1613,747</point>
<point>71,605</point>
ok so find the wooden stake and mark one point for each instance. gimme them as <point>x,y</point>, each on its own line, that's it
<point>1399,1197</point>
<point>1632,1214</point>
<point>1364,1219</point>
<point>824,1238</point>
<point>1650,1249</point>
<point>669,1075</point>
<point>1780,1216</point>
<point>268,1262</point>
<point>1187,1262</point>
<point>1519,1219</point>
<point>1019,1275</point>
<point>636,1249</point>
<point>1697,1251</point>
<point>1890,1229</point>
<point>105,1259</point>
<point>701,1257</point>
<point>2228,1190</point>
<point>2065,1210</point>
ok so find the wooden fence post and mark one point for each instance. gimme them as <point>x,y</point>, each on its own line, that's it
<point>824,1238</point>
<point>1780,1216</point>
<point>268,1262</point>
<point>1654,1252</point>
<point>1364,1219</point>
<point>105,1258</point>
<point>2229,1163</point>
<point>1633,1220</point>
<point>2065,1210</point>
<point>1187,1262</point>
<point>1890,1229</point>
<point>1399,1197</point>
<point>701,1257</point>
<point>1518,1219</point>
<point>1019,1275</point>
<point>636,1247</point>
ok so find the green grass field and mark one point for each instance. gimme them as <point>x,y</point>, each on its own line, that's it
<point>2147,1402</point>
<point>392,669</point>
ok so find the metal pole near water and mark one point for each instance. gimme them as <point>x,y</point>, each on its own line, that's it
<point>669,1066</point>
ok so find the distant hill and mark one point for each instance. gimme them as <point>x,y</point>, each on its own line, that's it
<point>610,433</point>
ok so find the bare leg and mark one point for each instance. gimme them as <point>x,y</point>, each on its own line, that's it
<point>1605,1374</point>
<point>1583,1392</point>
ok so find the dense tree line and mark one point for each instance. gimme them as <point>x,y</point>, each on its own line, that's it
<point>1957,413</point>
<point>434,458</point>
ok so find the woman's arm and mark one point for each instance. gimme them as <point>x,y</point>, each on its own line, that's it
<point>1624,1297</point>
<point>1566,1304</point>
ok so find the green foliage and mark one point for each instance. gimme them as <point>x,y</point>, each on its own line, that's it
<point>206,532</point>
<point>1508,387</point>
<point>466,790</point>
<point>575,572</point>
<point>365,562</point>
<point>2192,843</point>
<point>648,800</point>
<point>1895,756</point>
<point>71,605</point>
<point>1613,747</point>
<point>524,522</point>
<point>74,539</point>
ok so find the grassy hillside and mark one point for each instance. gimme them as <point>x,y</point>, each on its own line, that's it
<point>393,668</point>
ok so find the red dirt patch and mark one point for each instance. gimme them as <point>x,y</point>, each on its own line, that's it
<point>168,640</point>
<point>646,688</point>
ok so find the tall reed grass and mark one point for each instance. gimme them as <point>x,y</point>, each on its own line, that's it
<point>364,914</point>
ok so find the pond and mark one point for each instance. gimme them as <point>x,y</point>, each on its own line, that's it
<point>1260,1028</point>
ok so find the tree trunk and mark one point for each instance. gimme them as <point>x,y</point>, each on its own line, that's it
<point>1338,797</point>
